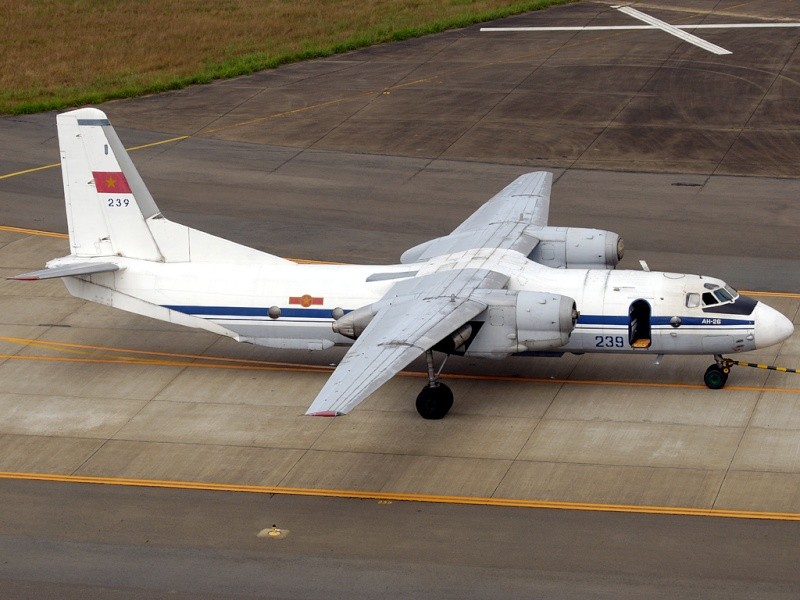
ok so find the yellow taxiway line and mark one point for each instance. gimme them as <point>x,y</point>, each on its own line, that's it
<point>400,497</point>
<point>33,232</point>
<point>88,354</point>
<point>211,362</point>
<point>770,294</point>
<point>311,260</point>
<point>304,261</point>
<point>26,171</point>
<point>144,357</point>
<point>289,368</point>
<point>58,164</point>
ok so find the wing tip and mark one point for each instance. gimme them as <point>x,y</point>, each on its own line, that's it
<point>325,413</point>
<point>24,277</point>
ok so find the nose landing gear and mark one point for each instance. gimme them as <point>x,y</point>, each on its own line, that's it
<point>716,376</point>
<point>435,399</point>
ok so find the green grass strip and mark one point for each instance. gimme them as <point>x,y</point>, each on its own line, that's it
<point>105,86</point>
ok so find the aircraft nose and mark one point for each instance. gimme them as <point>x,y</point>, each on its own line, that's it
<point>771,326</point>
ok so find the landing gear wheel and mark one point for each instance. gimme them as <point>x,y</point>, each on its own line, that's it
<point>434,402</point>
<point>716,377</point>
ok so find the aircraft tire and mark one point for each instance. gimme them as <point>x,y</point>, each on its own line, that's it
<point>434,402</point>
<point>715,377</point>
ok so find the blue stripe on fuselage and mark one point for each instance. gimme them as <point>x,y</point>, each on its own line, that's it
<point>248,311</point>
<point>656,321</point>
<point>324,313</point>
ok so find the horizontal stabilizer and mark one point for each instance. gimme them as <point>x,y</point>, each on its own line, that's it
<point>72,270</point>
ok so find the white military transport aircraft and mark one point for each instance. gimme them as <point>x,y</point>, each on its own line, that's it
<point>502,283</point>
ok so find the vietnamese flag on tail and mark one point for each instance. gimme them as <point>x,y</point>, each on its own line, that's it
<point>111,182</point>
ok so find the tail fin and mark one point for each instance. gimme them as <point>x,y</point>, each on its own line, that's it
<point>107,201</point>
<point>110,212</point>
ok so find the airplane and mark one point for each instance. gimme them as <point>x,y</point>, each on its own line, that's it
<point>502,283</point>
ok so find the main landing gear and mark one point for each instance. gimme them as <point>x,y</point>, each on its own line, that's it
<point>435,399</point>
<point>717,374</point>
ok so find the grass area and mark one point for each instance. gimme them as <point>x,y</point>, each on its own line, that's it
<point>60,53</point>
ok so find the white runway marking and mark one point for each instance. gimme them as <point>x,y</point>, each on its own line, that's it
<point>653,23</point>
<point>678,33</point>
<point>641,27</point>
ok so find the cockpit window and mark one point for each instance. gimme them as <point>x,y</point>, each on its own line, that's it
<point>723,295</point>
<point>692,300</point>
<point>718,295</point>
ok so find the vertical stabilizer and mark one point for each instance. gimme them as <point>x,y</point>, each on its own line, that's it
<point>107,201</point>
<point>110,212</point>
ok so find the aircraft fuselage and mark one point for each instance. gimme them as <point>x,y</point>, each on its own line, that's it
<point>620,311</point>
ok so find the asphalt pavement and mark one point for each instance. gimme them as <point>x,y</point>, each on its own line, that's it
<point>692,157</point>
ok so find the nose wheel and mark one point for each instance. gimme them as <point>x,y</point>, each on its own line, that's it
<point>716,377</point>
<point>717,374</point>
<point>435,399</point>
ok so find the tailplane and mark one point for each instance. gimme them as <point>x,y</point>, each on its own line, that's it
<point>110,212</point>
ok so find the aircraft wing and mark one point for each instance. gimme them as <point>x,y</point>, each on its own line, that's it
<point>414,316</point>
<point>500,223</point>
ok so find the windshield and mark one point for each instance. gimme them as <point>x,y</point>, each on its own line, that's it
<point>715,296</point>
<point>723,295</point>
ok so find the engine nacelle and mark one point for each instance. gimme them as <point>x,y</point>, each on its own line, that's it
<point>455,340</point>
<point>544,321</point>
<point>522,322</point>
<point>512,322</point>
<point>577,248</point>
<point>355,322</point>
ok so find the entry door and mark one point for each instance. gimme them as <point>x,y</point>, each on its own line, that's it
<point>639,335</point>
